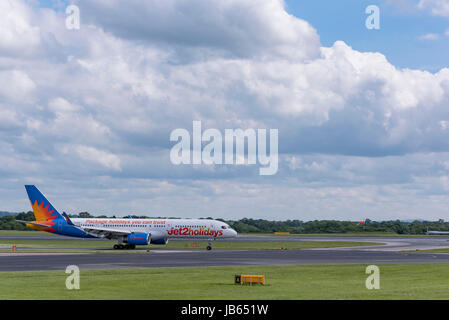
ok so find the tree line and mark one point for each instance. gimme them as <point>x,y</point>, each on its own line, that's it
<point>333,226</point>
<point>247,225</point>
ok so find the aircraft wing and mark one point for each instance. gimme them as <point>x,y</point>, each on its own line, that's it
<point>105,232</point>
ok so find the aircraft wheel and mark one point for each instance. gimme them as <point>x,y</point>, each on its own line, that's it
<point>116,246</point>
<point>132,246</point>
<point>121,246</point>
<point>209,248</point>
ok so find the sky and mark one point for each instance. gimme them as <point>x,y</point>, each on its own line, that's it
<point>362,114</point>
<point>402,34</point>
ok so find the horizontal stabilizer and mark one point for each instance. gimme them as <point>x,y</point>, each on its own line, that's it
<point>34,223</point>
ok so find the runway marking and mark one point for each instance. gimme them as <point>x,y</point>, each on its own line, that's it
<point>173,251</point>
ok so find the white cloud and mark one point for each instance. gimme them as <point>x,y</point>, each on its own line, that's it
<point>351,124</point>
<point>430,36</point>
<point>106,159</point>
<point>437,7</point>
<point>8,118</point>
<point>18,35</point>
<point>434,36</point>
<point>130,88</point>
<point>60,106</point>
<point>242,28</point>
<point>16,86</point>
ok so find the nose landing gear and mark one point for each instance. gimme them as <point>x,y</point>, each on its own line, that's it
<point>209,247</point>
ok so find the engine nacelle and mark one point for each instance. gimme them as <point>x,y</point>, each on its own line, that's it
<point>138,239</point>
<point>159,241</point>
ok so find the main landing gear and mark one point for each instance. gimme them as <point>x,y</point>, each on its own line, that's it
<point>209,247</point>
<point>125,246</point>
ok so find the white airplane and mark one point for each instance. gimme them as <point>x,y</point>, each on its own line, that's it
<point>128,232</point>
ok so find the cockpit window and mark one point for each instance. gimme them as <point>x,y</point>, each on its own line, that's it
<point>224,227</point>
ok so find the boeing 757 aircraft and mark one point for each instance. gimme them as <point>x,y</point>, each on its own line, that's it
<point>128,232</point>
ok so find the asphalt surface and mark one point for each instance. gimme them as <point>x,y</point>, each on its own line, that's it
<point>179,258</point>
<point>390,252</point>
<point>389,243</point>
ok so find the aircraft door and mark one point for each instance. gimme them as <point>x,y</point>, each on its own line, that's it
<point>168,227</point>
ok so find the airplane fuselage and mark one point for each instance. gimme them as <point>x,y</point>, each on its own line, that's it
<point>160,228</point>
<point>128,232</point>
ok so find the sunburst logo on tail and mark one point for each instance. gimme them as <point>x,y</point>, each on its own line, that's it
<point>42,213</point>
<point>44,216</point>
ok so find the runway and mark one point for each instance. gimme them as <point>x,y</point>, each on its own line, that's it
<point>191,258</point>
<point>389,252</point>
<point>389,243</point>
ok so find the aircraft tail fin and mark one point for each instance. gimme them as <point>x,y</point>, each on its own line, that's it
<point>42,208</point>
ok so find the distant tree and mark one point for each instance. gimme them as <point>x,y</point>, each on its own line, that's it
<point>85,215</point>
<point>28,216</point>
<point>249,225</point>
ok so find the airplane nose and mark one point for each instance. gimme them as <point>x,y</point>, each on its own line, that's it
<point>233,233</point>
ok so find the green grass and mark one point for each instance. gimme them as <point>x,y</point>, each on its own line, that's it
<point>273,245</point>
<point>86,245</point>
<point>82,245</point>
<point>397,281</point>
<point>58,243</point>
<point>353,234</point>
<point>31,233</point>
<point>442,250</point>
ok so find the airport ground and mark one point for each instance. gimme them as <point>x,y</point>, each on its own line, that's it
<point>307,267</point>
<point>397,281</point>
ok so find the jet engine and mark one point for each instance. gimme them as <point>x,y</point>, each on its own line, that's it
<point>138,239</point>
<point>159,241</point>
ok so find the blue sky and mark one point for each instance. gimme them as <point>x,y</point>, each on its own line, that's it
<point>86,114</point>
<point>398,37</point>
